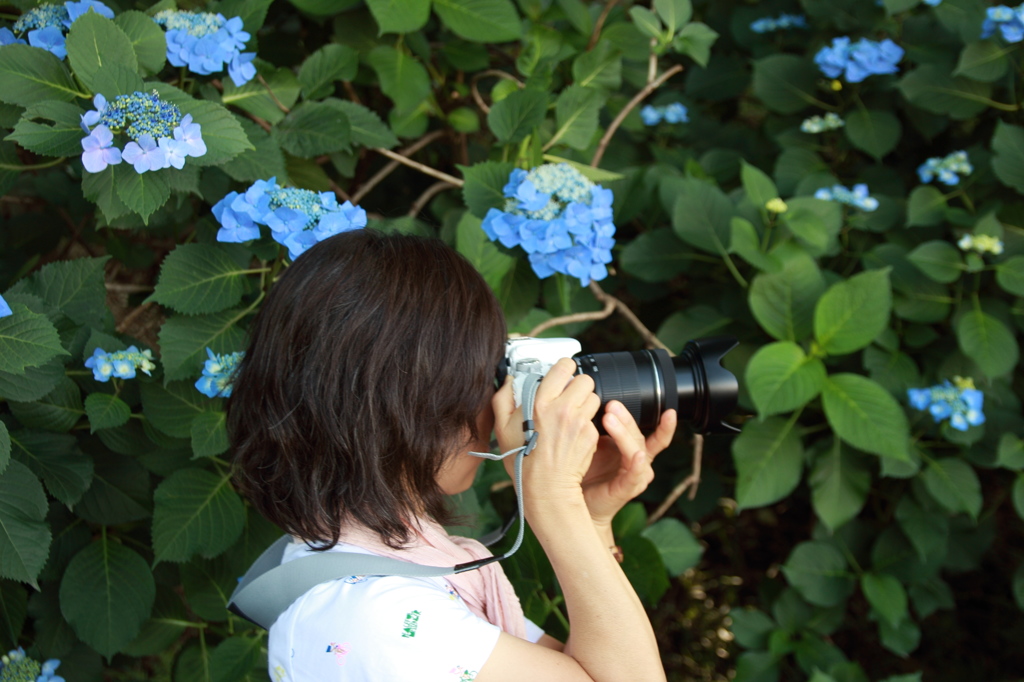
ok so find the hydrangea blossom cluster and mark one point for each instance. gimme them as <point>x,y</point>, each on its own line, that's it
<point>779,23</point>
<point>5,309</point>
<point>206,43</point>
<point>959,401</point>
<point>981,243</point>
<point>297,218</point>
<point>670,113</point>
<point>121,363</point>
<point>1008,20</point>
<point>560,218</point>
<point>857,197</point>
<point>15,666</point>
<point>857,61</point>
<point>160,137</point>
<point>948,169</point>
<point>46,26</point>
<point>821,124</point>
<point>219,374</point>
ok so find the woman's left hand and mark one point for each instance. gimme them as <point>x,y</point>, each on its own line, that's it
<point>621,468</point>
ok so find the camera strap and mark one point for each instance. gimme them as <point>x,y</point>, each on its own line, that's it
<point>269,587</point>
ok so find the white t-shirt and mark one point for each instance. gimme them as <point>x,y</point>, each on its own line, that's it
<point>379,628</point>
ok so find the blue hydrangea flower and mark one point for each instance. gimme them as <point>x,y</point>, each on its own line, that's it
<point>46,26</point>
<point>982,243</point>
<point>858,60</point>
<point>121,364</point>
<point>15,666</point>
<point>857,197</point>
<point>779,23</point>
<point>821,124</point>
<point>158,135</point>
<point>670,113</point>
<point>207,43</point>
<point>933,3</point>
<point>948,169</point>
<point>1009,21</point>
<point>5,309</point>
<point>7,37</point>
<point>560,218</point>
<point>297,218</point>
<point>219,374</point>
<point>959,402</point>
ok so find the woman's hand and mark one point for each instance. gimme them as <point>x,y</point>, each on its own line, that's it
<point>621,468</point>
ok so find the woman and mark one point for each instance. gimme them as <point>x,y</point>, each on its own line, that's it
<point>369,379</point>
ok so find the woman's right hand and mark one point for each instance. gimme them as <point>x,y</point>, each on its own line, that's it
<point>564,410</point>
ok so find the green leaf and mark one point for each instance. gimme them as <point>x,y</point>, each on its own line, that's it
<point>95,41</point>
<point>954,485</point>
<point>814,221</point>
<point>874,132</point>
<point>576,114</point>
<point>200,278</point>
<point>13,609</point>
<point>50,128</point>
<point>367,128</point>
<point>901,639</point>
<point>643,567</point>
<point>515,117</point>
<point>264,160</point>
<point>399,16</point>
<point>839,486</point>
<point>886,595</point>
<point>330,63</point>
<point>675,13</point>
<point>759,187</point>
<point>58,410</point>
<point>147,39</point>
<point>702,216</point>
<point>656,256</point>
<point>783,302</point>
<point>264,101</point>
<point>751,627</point>
<point>1008,162</point>
<point>601,67</point>
<point>5,447</point>
<point>101,188</point>
<point>55,458</point>
<point>865,415</point>
<point>75,287</point>
<point>26,339</point>
<point>106,594</point>
<point>483,185</point>
<point>933,89</point>
<point>819,573</point>
<point>481,21</point>
<point>987,341</point>
<point>746,243</point>
<point>172,410</point>
<point>31,75</point>
<point>646,20</point>
<point>235,657</point>
<point>940,261</point>
<point>1018,496</point>
<point>678,547</point>
<point>24,535</point>
<point>489,261</point>
<point>1018,586</point>
<point>780,378</point>
<point>314,128</point>
<point>692,323</point>
<point>184,340</point>
<point>120,492</point>
<point>898,6</point>
<point>926,207</point>
<point>222,132</point>
<point>142,193</point>
<point>769,460</point>
<point>850,314</point>
<point>985,61</point>
<point>1010,275</point>
<point>695,41</point>
<point>927,531</point>
<point>402,77</point>
<point>1011,452</point>
<point>757,666</point>
<point>34,383</point>
<point>209,435</point>
<point>111,80</point>
<point>106,411</point>
<point>196,512</point>
<point>785,83</point>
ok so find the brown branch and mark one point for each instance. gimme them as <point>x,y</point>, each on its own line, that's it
<point>259,121</point>
<point>427,195</point>
<point>599,24</point>
<point>390,168</point>
<point>339,192</point>
<point>120,288</point>
<point>130,317</point>
<point>280,106</point>
<point>609,308</point>
<point>649,338</point>
<point>691,481</point>
<point>477,97</point>
<point>351,92</point>
<point>639,97</point>
<point>426,170</point>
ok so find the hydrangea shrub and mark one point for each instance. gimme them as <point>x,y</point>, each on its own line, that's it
<point>835,183</point>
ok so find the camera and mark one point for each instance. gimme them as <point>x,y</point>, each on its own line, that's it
<point>647,382</point>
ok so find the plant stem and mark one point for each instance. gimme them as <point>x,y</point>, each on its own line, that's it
<point>36,166</point>
<point>390,168</point>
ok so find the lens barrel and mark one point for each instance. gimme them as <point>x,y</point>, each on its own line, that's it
<point>648,382</point>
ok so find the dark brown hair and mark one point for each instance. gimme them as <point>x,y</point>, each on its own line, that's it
<point>368,365</point>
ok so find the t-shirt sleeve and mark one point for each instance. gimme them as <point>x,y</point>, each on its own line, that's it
<point>533,631</point>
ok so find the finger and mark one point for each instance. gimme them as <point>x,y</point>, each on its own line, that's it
<point>627,440</point>
<point>626,417</point>
<point>635,477</point>
<point>662,436</point>
<point>503,401</point>
<point>556,380</point>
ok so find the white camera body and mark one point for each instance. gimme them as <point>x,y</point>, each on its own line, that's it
<point>527,355</point>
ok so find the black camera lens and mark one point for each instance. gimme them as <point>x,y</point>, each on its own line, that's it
<point>648,382</point>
